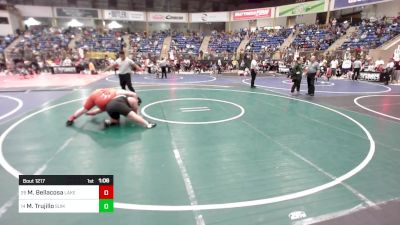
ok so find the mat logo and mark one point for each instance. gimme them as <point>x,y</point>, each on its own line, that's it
<point>297,215</point>
<point>195,109</point>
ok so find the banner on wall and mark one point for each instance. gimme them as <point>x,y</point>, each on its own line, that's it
<point>77,13</point>
<point>209,17</point>
<point>168,17</point>
<point>35,11</point>
<point>371,76</point>
<point>123,15</point>
<point>100,55</point>
<point>301,8</point>
<point>353,3</point>
<point>252,14</point>
<point>63,69</point>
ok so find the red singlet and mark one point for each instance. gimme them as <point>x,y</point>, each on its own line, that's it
<point>100,98</point>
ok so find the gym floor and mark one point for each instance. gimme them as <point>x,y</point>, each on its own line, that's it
<point>221,153</point>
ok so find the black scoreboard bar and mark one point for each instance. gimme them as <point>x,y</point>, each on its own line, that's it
<point>66,180</point>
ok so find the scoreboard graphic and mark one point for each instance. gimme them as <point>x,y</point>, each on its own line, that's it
<point>66,193</point>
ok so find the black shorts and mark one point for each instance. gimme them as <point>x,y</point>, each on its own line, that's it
<point>118,106</point>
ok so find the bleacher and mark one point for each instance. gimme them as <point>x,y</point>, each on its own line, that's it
<point>148,43</point>
<point>221,42</point>
<point>313,37</point>
<point>42,40</point>
<point>186,44</point>
<point>5,41</point>
<point>100,42</point>
<point>270,39</point>
<point>372,35</point>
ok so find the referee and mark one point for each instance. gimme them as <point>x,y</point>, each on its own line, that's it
<point>163,65</point>
<point>312,71</point>
<point>125,66</point>
<point>253,67</point>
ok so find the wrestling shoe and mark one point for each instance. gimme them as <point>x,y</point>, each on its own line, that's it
<point>151,125</point>
<point>70,121</point>
<point>108,123</point>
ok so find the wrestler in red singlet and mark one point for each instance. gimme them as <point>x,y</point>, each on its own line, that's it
<point>104,98</point>
<point>100,98</point>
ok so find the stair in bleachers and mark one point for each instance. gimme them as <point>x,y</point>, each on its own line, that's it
<point>205,43</point>
<point>72,43</point>
<point>242,46</point>
<point>339,42</point>
<point>165,48</point>
<point>127,48</point>
<point>8,50</point>
<point>393,42</point>
<point>77,38</point>
<point>385,51</point>
<point>288,41</point>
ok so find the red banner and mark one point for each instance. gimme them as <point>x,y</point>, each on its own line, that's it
<point>252,14</point>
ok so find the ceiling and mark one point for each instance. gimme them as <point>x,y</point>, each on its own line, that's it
<point>160,5</point>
